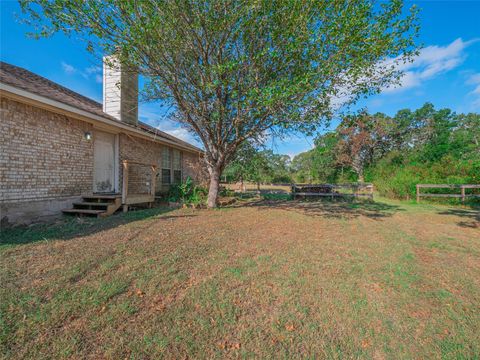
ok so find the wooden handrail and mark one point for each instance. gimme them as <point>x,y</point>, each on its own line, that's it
<point>448,186</point>
<point>125,182</point>
<point>462,188</point>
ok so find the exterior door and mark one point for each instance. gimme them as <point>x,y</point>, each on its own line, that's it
<point>104,162</point>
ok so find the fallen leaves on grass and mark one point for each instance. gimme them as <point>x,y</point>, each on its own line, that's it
<point>297,295</point>
<point>366,343</point>
<point>420,314</point>
<point>226,345</point>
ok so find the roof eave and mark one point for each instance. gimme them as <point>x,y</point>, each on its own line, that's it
<point>82,114</point>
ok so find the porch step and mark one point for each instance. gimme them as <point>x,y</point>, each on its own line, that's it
<point>83,211</point>
<point>101,197</point>
<point>96,205</point>
<point>92,204</point>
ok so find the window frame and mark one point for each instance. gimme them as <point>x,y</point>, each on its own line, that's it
<point>177,166</point>
<point>166,159</point>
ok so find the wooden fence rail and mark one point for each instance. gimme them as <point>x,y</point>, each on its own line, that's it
<point>332,190</point>
<point>462,188</point>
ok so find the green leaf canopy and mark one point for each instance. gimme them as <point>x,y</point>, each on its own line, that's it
<point>234,70</point>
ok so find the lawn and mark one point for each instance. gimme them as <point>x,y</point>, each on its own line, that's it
<point>268,279</point>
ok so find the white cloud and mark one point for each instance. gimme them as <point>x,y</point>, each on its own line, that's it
<point>409,80</point>
<point>93,70</point>
<point>376,102</point>
<point>157,117</point>
<point>430,62</point>
<point>474,80</point>
<point>181,133</point>
<point>68,69</point>
<point>87,73</point>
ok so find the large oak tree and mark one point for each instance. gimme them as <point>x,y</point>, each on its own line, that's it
<point>234,70</point>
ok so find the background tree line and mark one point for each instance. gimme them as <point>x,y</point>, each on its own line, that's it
<point>395,153</point>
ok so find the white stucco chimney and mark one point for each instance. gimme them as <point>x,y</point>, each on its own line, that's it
<point>120,91</point>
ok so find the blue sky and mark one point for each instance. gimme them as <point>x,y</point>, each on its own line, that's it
<point>446,73</point>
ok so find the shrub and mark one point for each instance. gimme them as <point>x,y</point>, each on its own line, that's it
<point>398,179</point>
<point>226,192</point>
<point>187,193</point>
<point>282,179</point>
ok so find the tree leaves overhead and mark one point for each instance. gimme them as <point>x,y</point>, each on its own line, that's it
<point>236,69</point>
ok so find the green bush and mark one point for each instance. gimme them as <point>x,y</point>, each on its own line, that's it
<point>187,193</point>
<point>281,179</point>
<point>398,179</point>
<point>224,191</point>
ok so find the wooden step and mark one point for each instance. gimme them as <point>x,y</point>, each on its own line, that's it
<point>83,212</point>
<point>103,197</point>
<point>95,204</point>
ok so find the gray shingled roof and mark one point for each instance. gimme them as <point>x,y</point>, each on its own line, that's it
<point>26,80</point>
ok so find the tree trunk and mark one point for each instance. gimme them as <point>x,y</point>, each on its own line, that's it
<point>213,188</point>
<point>242,186</point>
<point>357,166</point>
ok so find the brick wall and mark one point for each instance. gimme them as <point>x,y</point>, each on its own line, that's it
<point>43,155</point>
<point>193,166</point>
<point>139,179</point>
<point>46,162</point>
<point>145,151</point>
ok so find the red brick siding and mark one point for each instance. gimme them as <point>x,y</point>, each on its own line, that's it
<point>139,179</point>
<point>43,155</point>
<point>193,166</point>
<point>145,151</point>
<point>141,150</point>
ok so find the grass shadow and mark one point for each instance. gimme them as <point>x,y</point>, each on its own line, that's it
<point>69,227</point>
<point>472,217</point>
<point>338,208</point>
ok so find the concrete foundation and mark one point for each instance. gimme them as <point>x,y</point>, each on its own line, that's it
<point>28,212</point>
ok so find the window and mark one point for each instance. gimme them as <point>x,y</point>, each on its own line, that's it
<point>166,166</point>
<point>177,176</point>
<point>166,176</point>
<point>177,167</point>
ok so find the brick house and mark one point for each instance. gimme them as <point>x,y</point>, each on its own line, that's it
<point>62,151</point>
